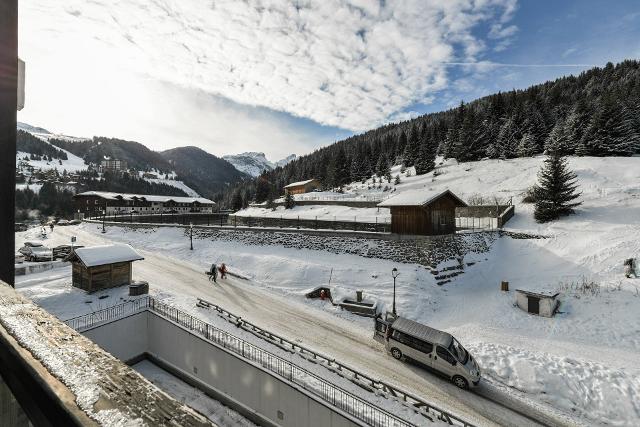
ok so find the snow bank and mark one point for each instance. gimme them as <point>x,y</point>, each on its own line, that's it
<point>590,390</point>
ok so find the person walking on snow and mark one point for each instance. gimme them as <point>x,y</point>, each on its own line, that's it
<point>223,271</point>
<point>213,273</point>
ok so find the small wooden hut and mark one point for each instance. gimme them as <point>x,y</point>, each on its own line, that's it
<point>423,212</point>
<point>102,267</point>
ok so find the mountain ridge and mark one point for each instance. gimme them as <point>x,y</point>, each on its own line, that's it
<point>254,162</point>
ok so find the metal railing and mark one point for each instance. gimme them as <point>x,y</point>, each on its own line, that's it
<point>328,392</point>
<point>412,400</point>
<point>109,314</point>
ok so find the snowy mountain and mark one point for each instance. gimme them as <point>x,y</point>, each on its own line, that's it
<point>286,160</point>
<point>253,163</point>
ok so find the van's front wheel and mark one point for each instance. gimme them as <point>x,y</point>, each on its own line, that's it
<point>396,353</point>
<point>460,382</point>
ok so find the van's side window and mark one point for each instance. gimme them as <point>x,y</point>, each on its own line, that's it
<point>419,345</point>
<point>444,354</point>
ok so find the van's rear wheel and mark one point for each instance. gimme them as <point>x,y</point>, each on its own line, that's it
<point>460,382</point>
<point>396,353</point>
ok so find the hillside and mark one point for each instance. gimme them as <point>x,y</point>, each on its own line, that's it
<point>98,148</point>
<point>204,172</point>
<point>188,169</point>
<point>592,114</point>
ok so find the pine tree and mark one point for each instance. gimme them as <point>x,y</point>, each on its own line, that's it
<point>426,160</point>
<point>526,146</point>
<point>289,201</point>
<point>508,139</point>
<point>236,201</point>
<point>558,139</point>
<point>555,193</point>
<point>413,147</point>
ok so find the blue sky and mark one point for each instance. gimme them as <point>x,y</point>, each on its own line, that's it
<point>284,77</point>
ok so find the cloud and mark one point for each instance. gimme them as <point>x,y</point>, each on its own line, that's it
<point>348,64</point>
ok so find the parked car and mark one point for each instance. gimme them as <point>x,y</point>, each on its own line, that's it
<point>63,251</point>
<point>63,222</point>
<point>35,251</point>
<point>75,222</point>
<point>435,349</point>
<point>19,226</point>
<point>19,258</point>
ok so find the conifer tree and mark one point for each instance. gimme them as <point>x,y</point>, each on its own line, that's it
<point>426,160</point>
<point>558,139</point>
<point>413,147</point>
<point>289,201</point>
<point>555,192</point>
<point>526,146</point>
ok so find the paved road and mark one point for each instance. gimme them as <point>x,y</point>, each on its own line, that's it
<point>320,331</point>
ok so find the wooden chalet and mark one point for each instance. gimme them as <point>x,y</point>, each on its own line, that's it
<point>423,212</point>
<point>302,187</point>
<point>102,267</point>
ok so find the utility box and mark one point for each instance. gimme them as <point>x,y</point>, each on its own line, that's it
<point>544,304</point>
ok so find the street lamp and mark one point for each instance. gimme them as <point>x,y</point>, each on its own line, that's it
<point>104,213</point>
<point>191,234</point>
<point>394,274</point>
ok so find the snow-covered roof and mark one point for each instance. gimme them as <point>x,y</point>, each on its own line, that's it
<point>538,294</point>
<point>299,183</point>
<point>107,254</point>
<point>418,197</point>
<point>148,197</point>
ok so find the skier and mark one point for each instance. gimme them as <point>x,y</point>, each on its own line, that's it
<point>223,271</point>
<point>213,273</point>
<point>51,227</point>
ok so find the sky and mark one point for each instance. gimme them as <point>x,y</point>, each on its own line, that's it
<point>284,77</point>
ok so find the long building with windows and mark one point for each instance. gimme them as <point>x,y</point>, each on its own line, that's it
<point>94,203</point>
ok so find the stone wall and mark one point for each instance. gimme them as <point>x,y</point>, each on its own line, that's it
<point>428,252</point>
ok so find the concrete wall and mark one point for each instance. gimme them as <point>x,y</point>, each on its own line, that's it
<point>257,394</point>
<point>126,338</point>
<point>547,306</point>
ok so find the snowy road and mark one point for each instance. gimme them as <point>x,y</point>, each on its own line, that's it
<point>324,332</point>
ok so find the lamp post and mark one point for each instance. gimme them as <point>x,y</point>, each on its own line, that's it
<point>394,274</point>
<point>191,234</point>
<point>104,213</point>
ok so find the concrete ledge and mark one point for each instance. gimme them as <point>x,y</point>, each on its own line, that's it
<point>60,377</point>
<point>33,267</point>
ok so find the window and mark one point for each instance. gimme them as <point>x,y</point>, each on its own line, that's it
<point>444,354</point>
<point>412,342</point>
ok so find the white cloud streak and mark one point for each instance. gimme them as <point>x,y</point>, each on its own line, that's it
<point>349,64</point>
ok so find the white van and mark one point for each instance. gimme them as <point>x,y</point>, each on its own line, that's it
<point>437,350</point>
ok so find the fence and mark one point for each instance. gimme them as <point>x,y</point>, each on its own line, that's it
<point>357,375</point>
<point>379,224</point>
<point>168,218</point>
<point>330,393</point>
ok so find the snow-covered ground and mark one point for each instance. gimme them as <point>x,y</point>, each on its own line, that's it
<point>33,187</point>
<point>174,183</point>
<point>72,164</point>
<point>583,362</point>
<point>184,393</point>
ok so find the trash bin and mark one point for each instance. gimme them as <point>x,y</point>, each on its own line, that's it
<point>504,286</point>
<point>359,296</point>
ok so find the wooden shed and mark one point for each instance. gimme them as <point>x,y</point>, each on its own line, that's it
<point>423,212</point>
<point>102,267</point>
<point>301,187</point>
